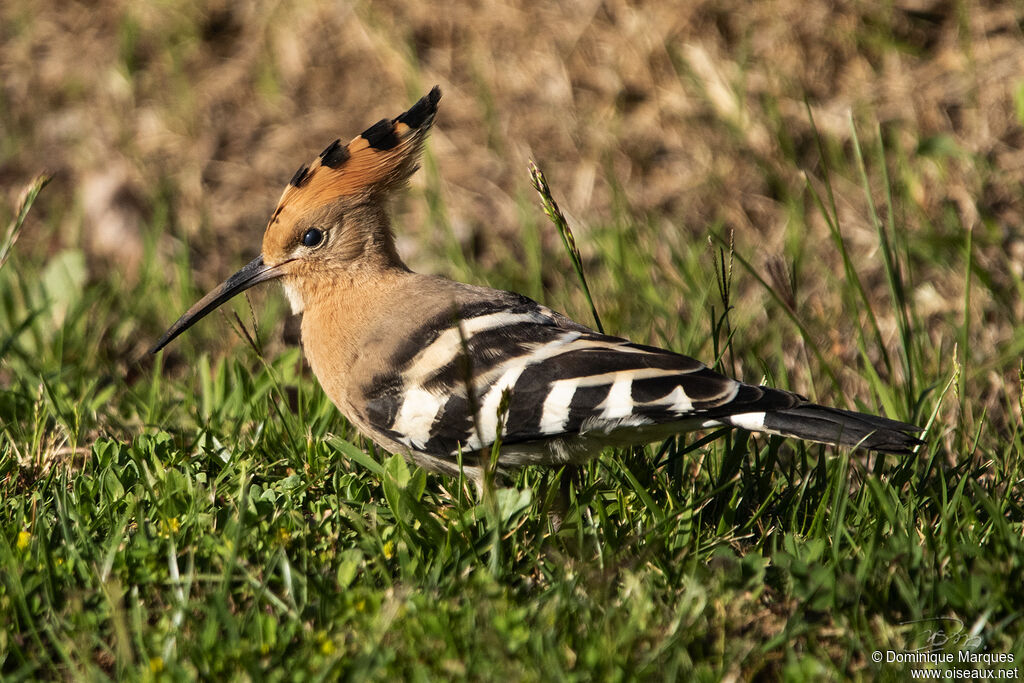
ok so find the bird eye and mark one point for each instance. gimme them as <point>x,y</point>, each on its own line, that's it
<point>312,237</point>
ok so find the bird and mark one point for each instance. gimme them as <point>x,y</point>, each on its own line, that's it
<point>439,370</point>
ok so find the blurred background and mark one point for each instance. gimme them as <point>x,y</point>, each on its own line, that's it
<point>171,129</point>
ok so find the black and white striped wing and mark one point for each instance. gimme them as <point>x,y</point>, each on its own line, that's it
<point>562,380</point>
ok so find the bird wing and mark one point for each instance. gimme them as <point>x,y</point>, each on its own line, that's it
<point>561,379</point>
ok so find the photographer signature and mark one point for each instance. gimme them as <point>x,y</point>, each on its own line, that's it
<point>952,631</point>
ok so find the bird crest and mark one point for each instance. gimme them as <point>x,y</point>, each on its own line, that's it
<point>376,161</point>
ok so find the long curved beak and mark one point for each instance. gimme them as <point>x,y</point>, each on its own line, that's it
<point>253,273</point>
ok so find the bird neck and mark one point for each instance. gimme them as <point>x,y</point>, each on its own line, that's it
<point>343,297</point>
<point>337,318</point>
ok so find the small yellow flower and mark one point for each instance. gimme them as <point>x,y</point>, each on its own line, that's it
<point>23,539</point>
<point>326,645</point>
<point>169,527</point>
<point>156,664</point>
<point>389,549</point>
<point>283,535</point>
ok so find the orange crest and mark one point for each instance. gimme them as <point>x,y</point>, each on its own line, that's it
<point>383,156</point>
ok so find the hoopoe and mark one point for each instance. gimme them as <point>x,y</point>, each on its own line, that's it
<point>420,364</point>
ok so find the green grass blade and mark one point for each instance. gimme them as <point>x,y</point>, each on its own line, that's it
<point>552,211</point>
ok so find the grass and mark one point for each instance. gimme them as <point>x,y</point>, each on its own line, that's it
<point>212,515</point>
<point>208,513</point>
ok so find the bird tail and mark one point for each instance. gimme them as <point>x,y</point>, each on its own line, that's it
<point>813,422</point>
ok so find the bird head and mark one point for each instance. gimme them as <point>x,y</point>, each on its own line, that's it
<point>330,218</point>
